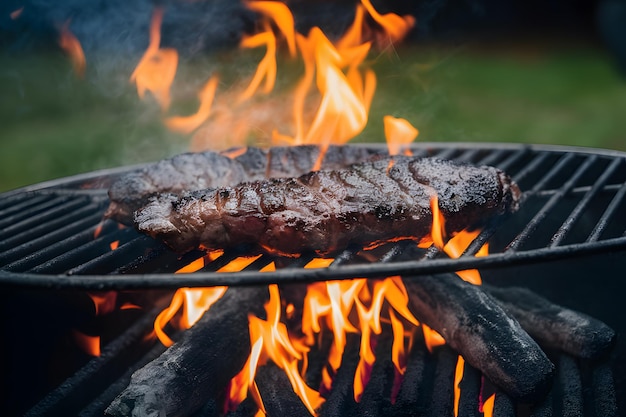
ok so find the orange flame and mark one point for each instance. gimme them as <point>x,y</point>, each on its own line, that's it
<point>70,44</point>
<point>432,339</point>
<point>399,133</point>
<point>488,406</point>
<point>458,376</point>
<point>188,124</point>
<point>438,230</point>
<point>395,27</point>
<point>270,341</point>
<point>104,303</point>
<point>280,14</point>
<point>89,344</point>
<point>156,70</point>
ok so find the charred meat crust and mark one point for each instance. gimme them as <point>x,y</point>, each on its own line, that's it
<point>327,210</point>
<point>196,171</point>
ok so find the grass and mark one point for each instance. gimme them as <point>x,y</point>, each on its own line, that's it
<point>54,124</point>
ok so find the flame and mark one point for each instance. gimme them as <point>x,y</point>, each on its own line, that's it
<point>270,341</point>
<point>432,339</point>
<point>89,344</point>
<point>395,27</point>
<point>488,405</point>
<point>104,303</point>
<point>438,230</point>
<point>399,133</point>
<point>156,70</point>
<point>188,124</point>
<point>280,14</point>
<point>114,245</point>
<point>70,44</point>
<point>330,105</point>
<point>458,376</point>
<point>457,245</point>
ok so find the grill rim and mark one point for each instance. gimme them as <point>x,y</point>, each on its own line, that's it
<point>299,275</point>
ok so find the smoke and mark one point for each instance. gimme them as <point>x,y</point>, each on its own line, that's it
<point>120,26</point>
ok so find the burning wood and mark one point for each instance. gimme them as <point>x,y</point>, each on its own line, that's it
<point>554,326</point>
<point>324,211</point>
<point>199,366</point>
<point>195,171</point>
<point>474,325</point>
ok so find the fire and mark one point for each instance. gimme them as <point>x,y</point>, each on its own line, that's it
<point>488,405</point>
<point>270,340</point>
<point>399,133</point>
<point>188,124</point>
<point>70,44</point>
<point>458,376</point>
<point>330,104</point>
<point>89,344</point>
<point>157,68</point>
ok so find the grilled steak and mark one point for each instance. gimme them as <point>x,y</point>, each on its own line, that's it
<point>327,210</point>
<point>196,171</point>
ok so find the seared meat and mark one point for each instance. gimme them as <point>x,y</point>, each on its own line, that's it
<point>196,171</point>
<point>327,210</point>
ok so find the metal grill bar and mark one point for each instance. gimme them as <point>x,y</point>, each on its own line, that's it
<point>568,185</point>
<point>567,225</point>
<point>608,214</point>
<point>67,254</point>
<point>48,228</point>
<point>26,256</point>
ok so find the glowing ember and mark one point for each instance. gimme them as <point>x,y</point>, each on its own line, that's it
<point>72,47</point>
<point>157,68</point>
<point>89,344</point>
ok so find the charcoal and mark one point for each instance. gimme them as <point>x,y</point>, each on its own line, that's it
<point>199,366</point>
<point>340,401</point>
<point>277,393</point>
<point>475,326</point>
<point>554,326</point>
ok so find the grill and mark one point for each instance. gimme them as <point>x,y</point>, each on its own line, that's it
<point>567,242</point>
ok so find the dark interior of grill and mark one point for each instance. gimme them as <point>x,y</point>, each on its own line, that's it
<point>566,243</point>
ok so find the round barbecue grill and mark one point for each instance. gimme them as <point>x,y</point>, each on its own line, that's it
<point>562,242</point>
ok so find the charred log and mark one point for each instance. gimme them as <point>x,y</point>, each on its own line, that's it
<point>277,393</point>
<point>196,171</point>
<point>474,325</point>
<point>199,366</point>
<point>554,326</point>
<point>326,211</point>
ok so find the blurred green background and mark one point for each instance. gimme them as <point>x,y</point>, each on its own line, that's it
<point>55,124</point>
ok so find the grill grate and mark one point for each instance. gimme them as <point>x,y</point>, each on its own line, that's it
<point>570,206</point>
